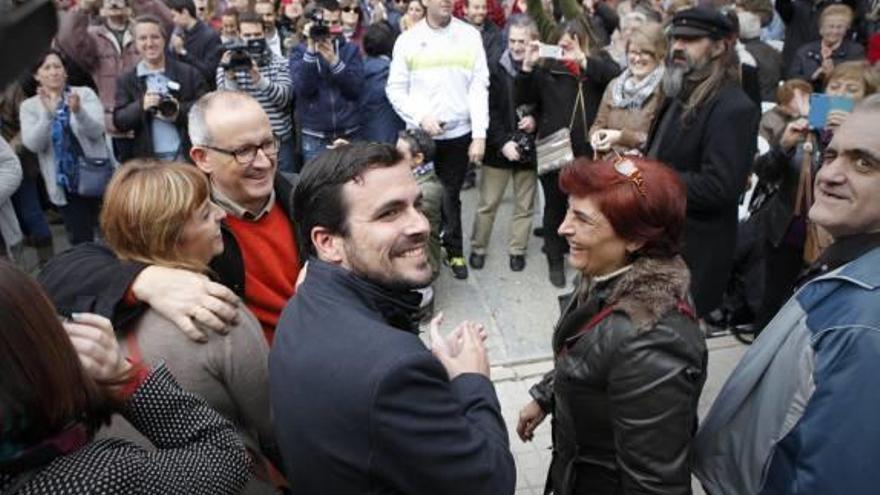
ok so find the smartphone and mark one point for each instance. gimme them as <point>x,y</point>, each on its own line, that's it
<point>549,51</point>
<point>821,104</point>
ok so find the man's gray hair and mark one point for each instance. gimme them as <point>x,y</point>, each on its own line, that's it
<point>197,124</point>
<point>523,21</point>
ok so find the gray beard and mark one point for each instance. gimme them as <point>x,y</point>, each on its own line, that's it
<point>673,80</point>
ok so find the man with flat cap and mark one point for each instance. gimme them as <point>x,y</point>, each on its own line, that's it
<point>707,131</point>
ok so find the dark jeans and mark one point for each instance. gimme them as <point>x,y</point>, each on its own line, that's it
<point>30,213</point>
<point>555,206</point>
<point>450,165</point>
<point>80,217</point>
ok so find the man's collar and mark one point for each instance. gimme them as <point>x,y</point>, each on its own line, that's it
<point>841,252</point>
<point>239,211</point>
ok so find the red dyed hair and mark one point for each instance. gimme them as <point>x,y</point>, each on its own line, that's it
<point>653,214</point>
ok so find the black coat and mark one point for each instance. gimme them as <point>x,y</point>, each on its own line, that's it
<point>630,364</point>
<point>503,120</point>
<point>362,406</point>
<point>203,50</point>
<point>493,42</point>
<point>553,91</point>
<point>129,114</point>
<point>89,277</point>
<point>713,154</point>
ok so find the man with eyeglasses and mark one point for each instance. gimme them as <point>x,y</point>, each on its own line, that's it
<point>267,79</point>
<point>328,76</point>
<point>233,144</point>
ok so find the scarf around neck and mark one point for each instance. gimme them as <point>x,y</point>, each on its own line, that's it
<point>629,93</point>
<point>65,148</point>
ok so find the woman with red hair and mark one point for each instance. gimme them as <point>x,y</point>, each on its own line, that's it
<point>630,359</point>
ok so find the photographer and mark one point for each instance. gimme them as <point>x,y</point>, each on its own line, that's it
<point>510,152</point>
<point>327,75</point>
<point>252,67</point>
<point>153,99</point>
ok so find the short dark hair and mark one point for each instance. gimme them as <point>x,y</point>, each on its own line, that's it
<point>150,19</point>
<point>181,5</point>
<point>318,200</point>
<point>329,5</point>
<point>250,18</point>
<point>44,386</point>
<point>419,141</point>
<point>379,40</point>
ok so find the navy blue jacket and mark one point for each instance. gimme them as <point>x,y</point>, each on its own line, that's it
<point>361,406</point>
<point>327,97</point>
<point>380,122</point>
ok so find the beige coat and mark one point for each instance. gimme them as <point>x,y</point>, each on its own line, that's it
<point>634,124</point>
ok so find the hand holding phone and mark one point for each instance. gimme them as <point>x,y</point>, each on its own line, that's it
<point>549,51</point>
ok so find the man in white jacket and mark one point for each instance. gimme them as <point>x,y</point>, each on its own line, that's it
<point>439,82</point>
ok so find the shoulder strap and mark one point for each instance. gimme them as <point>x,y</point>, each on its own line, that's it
<point>578,102</point>
<point>594,321</point>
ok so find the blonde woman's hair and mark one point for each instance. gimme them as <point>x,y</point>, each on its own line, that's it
<point>146,206</point>
<point>649,36</point>
<point>834,10</point>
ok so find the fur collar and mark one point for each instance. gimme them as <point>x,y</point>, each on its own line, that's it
<point>648,290</point>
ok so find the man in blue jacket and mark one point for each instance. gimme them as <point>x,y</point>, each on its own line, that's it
<point>327,75</point>
<point>799,413</point>
<point>360,404</point>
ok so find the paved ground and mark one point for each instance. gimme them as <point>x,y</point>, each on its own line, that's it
<point>519,310</point>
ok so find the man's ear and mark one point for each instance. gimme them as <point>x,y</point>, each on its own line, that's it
<point>199,156</point>
<point>718,48</point>
<point>329,246</point>
<point>418,158</point>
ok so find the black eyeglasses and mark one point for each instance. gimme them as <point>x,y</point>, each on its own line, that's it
<point>356,10</point>
<point>247,154</point>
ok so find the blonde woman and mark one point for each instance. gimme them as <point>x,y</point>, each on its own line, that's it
<point>631,100</point>
<point>162,214</point>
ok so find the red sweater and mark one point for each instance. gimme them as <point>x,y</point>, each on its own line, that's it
<point>271,264</point>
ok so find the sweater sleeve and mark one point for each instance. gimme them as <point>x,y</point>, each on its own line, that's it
<point>348,72</point>
<point>397,87</point>
<point>416,405</point>
<point>10,172</point>
<point>36,125</point>
<point>601,120</point>
<point>198,451</point>
<point>478,94</point>
<point>279,90</point>
<point>304,72</point>
<point>245,368</point>
<point>89,121</point>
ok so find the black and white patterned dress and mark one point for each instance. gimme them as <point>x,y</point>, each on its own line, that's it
<point>198,451</point>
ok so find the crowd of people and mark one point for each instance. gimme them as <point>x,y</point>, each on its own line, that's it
<point>260,195</point>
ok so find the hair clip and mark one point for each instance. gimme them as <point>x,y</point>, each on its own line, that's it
<point>628,169</point>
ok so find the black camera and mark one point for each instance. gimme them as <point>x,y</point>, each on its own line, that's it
<point>242,53</point>
<point>525,143</point>
<point>167,106</point>
<point>318,31</point>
